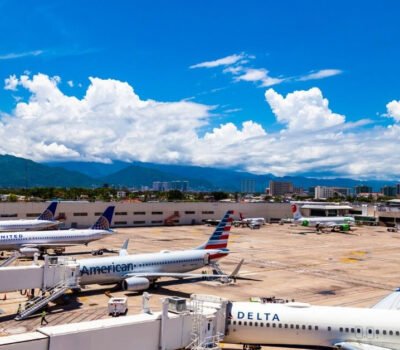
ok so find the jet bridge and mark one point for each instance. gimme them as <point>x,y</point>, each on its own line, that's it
<point>198,324</point>
<point>54,271</point>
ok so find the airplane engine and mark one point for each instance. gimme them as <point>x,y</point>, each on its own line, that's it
<point>345,227</point>
<point>305,223</point>
<point>29,251</point>
<point>135,284</point>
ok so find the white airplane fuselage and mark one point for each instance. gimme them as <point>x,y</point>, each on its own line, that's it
<point>26,225</point>
<point>260,221</point>
<point>324,220</point>
<point>303,325</point>
<point>114,269</point>
<point>49,239</point>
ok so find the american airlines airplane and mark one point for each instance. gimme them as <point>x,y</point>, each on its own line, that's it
<point>30,242</point>
<point>304,326</point>
<point>342,223</point>
<point>43,221</point>
<point>137,272</point>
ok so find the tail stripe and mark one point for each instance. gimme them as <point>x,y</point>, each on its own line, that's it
<point>219,238</point>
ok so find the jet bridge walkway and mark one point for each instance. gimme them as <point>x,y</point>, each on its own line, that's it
<point>197,324</point>
<point>45,277</point>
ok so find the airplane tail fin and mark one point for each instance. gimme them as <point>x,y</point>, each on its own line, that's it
<point>296,211</point>
<point>48,213</point>
<point>219,238</point>
<point>104,221</point>
<point>124,249</point>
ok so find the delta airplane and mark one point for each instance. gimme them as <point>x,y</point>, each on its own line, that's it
<point>341,223</point>
<point>137,272</point>
<point>43,221</point>
<point>301,325</point>
<point>30,242</point>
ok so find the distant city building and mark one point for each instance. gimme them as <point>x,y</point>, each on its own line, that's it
<point>389,191</point>
<point>362,189</point>
<point>279,188</point>
<point>160,186</point>
<point>247,186</point>
<point>121,194</point>
<point>311,191</point>
<point>298,190</point>
<point>324,192</point>
<point>182,186</point>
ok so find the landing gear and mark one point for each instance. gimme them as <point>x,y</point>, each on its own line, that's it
<point>251,347</point>
<point>98,252</point>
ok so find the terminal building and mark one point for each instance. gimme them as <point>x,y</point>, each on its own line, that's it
<point>81,214</point>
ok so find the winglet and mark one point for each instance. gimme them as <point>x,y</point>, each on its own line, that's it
<point>237,269</point>
<point>124,249</point>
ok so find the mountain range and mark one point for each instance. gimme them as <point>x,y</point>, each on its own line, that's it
<point>20,172</point>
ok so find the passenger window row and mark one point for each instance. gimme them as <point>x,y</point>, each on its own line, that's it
<point>272,325</point>
<point>309,327</point>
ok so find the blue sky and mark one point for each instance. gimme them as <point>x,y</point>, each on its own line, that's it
<point>152,45</point>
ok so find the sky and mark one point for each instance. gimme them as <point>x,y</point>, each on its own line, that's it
<point>282,87</point>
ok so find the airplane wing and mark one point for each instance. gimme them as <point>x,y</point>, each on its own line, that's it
<point>390,302</point>
<point>174,275</point>
<point>186,275</point>
<point>359,346</point>
<point>49,245</point>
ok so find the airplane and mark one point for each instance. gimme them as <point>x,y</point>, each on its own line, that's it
<point>249,221</point>
<point>137,272</point>
<point>341,223</point>
<point>301,325</point>
<point>43,221</point>
<point>30,242</point>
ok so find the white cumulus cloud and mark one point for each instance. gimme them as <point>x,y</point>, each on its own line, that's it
<point>11,83</point>
<point>112,122</point>
<point>393,110</point>
<point>109,122</point>
<point>303,110</point>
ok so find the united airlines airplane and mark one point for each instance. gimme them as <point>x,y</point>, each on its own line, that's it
<point>301,325</point>
<point>43,221</point>
<point>31,242</point>
<point>137,272</point>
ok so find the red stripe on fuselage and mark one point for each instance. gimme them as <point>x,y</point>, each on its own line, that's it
<point>216,246</point>
<point>217,256</point>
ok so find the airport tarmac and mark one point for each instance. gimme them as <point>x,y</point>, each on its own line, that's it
<point>347,269</point>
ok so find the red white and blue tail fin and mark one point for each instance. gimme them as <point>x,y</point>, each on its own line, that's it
<point>219,238</point>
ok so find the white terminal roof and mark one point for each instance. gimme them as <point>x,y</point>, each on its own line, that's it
<point>325,207</point>
<point>99,324</point>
